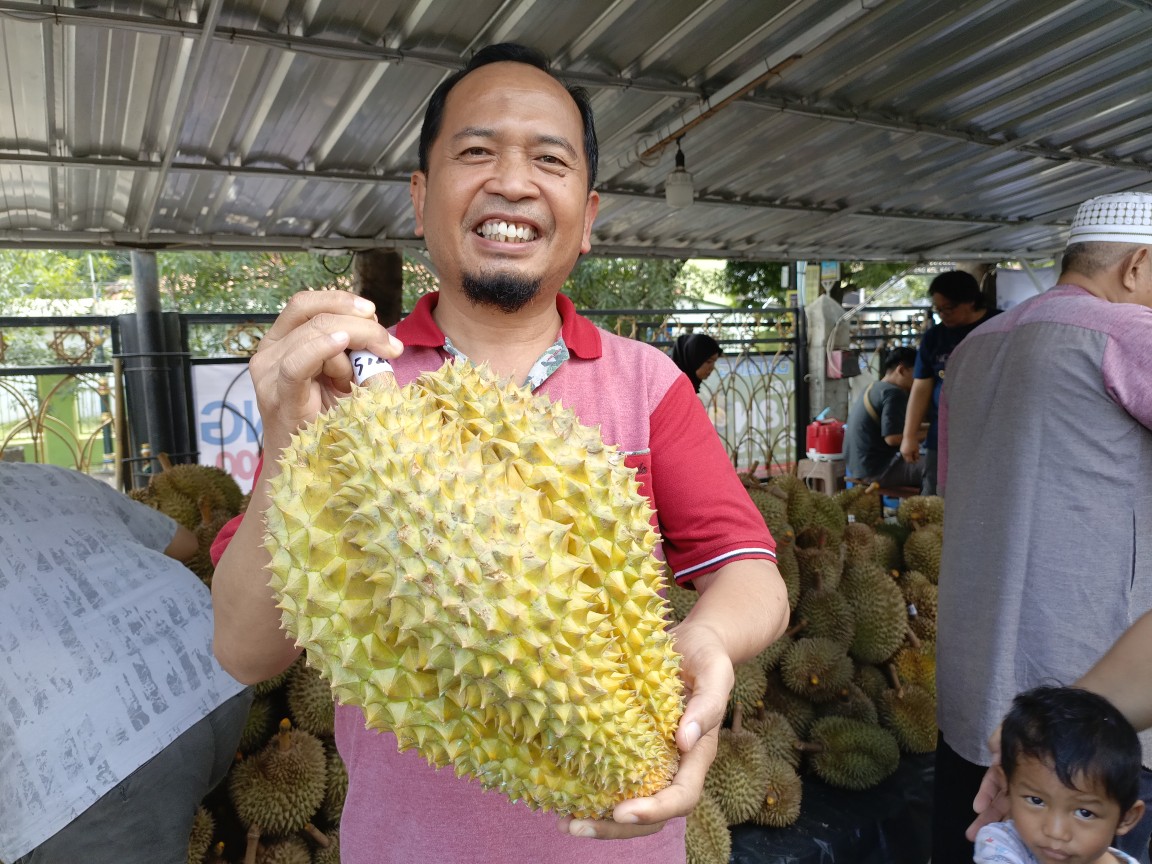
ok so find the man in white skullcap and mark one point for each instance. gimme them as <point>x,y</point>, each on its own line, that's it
<point>1046,456</point>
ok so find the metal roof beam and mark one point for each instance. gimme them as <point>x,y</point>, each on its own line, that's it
<point>918,127</point>
<point>187,86</point>
<point>322,47</point>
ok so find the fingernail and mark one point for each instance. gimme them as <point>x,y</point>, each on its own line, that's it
<point>395,343</point>
<point>578,828</point>
<point>340,337</point>
<point>692,734</point>
<point>364,305</point>
<point>628,819</point>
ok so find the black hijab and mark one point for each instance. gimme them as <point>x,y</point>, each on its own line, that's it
<point>691,351</point>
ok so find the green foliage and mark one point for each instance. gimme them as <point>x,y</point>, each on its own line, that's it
<point>756,283</point>
<point>625,283</point>
<point>245,281</point>
<point>34,275</point>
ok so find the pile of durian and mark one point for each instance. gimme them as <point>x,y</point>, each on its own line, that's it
<point>281,800</point>
<point>851,685</point>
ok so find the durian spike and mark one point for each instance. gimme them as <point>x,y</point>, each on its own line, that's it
<point>894,679</point>
<point>316,834</point>
<point>254,832</point>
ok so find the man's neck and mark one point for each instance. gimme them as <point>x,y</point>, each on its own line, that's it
<point>508,343</point>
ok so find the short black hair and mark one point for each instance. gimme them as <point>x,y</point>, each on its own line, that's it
<point>1080,734</point>
<point>902,356</point>
<point>1094,257</point>
<point>956,286</point>
<point>508,52</point>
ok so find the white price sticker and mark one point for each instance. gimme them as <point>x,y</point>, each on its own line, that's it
<point>365,364</point>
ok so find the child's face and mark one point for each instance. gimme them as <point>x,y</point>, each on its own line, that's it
<point>1061,825</point>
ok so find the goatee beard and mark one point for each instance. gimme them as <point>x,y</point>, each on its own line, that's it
<point>508,292</point>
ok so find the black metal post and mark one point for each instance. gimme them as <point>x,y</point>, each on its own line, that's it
<point>151,368</point>
<point>800,361</point>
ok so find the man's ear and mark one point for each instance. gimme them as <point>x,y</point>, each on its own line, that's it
<point>1128,820</point>
<point>417,187</point>
<point>1133,263</point>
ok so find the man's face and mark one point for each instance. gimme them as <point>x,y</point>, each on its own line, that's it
<point>505,201</point>
<point>951,314</point>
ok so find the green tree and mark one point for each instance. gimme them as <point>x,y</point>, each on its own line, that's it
<point>756,283</point>
<point>28,276</point>
<point>626,283</point>
<point>245,281</point>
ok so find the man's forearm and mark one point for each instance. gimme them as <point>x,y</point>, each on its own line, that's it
<point>746,603</point>
<point>1123,676</point>
<point>918,402</point>
<point>248,641</point>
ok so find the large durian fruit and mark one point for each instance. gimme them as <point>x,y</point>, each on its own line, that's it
<point>519,634</point>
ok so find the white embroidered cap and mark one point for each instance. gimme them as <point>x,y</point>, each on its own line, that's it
<point>1125,217</point>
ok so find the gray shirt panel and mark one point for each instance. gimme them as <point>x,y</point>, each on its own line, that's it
<point>1048,534</point>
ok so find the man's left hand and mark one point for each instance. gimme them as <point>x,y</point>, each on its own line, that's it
<point>708,678</point>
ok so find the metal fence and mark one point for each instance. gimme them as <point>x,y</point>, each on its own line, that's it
<point>70,387</point>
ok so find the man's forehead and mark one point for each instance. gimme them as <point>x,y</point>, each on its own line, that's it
<point>504,82</point>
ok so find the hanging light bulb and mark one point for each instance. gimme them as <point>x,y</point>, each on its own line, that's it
<point>678,191</point>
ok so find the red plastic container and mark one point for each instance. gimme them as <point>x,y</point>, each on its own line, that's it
<point>825,439</point>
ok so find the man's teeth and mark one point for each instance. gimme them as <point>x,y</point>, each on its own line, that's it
<point>508,232</point>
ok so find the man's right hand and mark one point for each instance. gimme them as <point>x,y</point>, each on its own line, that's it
<point>910,449</point>
<point>300,368</point>
<point>991,801</point>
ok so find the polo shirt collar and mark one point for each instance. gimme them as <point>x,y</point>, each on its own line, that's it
<point>580,335</point>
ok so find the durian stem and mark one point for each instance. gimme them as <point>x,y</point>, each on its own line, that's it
<point>797,627</point>
<point>217,854</point>
<point>894,679</point>
<point>254,832</point>
<point>315,833</point>
<point>284,742</point>
<point>205,509</point>
<point>165,461</point>
<point>738,718</point>
<point>913,640</point>
<point>808,747</point>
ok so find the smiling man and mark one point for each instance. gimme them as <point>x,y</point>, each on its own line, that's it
<point>505,200</point>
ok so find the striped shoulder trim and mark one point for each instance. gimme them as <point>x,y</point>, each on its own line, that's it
<point>712,563</point>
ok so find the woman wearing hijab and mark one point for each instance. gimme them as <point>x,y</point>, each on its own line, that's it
<point>696,355</point>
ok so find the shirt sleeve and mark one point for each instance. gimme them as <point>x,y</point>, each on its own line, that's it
<point>147,525</point>
<point>707,518</point>
<point>998,843</point>
<point>1127,366</point>
<point>892,411</point>
<point>225,535</point>
<point>924,352</point>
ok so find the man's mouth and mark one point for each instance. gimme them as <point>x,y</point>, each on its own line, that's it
<point>506,232</point>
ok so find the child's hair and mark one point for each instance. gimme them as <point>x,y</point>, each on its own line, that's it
<point>1079,734</point>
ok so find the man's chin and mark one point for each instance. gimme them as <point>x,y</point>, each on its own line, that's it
<point>507,292</point>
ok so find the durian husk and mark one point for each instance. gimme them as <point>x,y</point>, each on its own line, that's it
<point>474,569</point>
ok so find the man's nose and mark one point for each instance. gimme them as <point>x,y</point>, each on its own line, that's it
<point>512,177</point>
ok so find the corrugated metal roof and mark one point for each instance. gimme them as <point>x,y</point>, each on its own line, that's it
<point>937,129</point>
